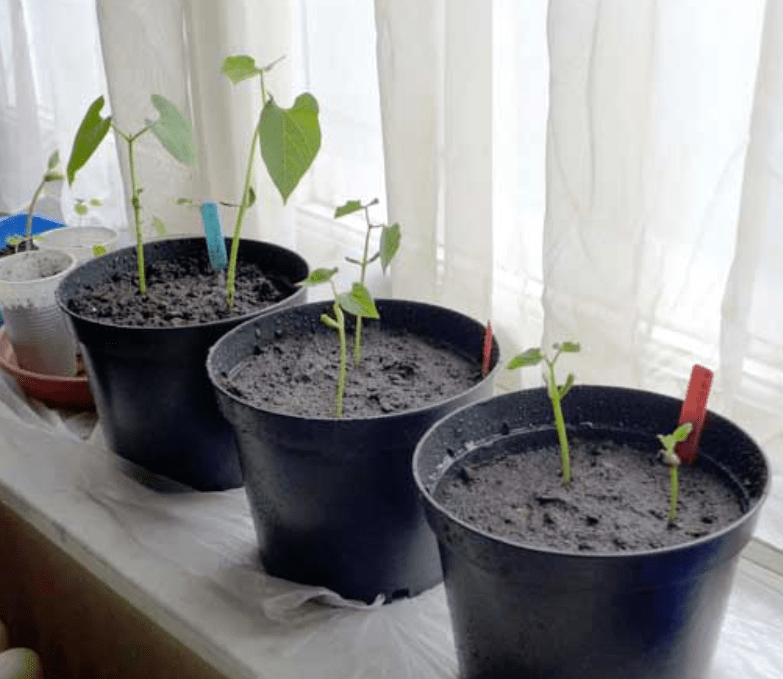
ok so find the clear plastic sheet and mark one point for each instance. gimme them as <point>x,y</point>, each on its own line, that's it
<point>189,560</point>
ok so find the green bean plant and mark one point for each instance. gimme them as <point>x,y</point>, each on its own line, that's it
<point>669,441</point>
<point>389,244</point>
<point>50,176</point>
<point>556,392</point>
<point>171,129</point>
<point>288,139</point>
<point>358,302</point>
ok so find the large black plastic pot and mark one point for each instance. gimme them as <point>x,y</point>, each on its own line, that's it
<point>518,611</point>
<point>333,500</point>
<point>152,394</point>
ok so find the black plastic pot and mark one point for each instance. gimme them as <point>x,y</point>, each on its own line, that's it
<point>519,611</point>
<point>152,394</point>
<point>333,500</point>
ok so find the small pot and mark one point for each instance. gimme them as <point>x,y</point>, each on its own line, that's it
<point>153,398</point>
<point>35,325</point>
<point>81,241</point>
<point>521,611</point>
<point>333,501</point>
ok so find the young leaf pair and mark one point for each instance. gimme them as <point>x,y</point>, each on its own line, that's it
<point>358,302</point>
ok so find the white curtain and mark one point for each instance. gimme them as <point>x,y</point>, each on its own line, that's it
<point>661,244</point>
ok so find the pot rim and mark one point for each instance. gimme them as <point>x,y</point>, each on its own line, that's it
<point>318,307</point>
<point>426,494</point>
<point>62,303</point>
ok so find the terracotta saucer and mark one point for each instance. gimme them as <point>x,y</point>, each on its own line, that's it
<point>53,390</point>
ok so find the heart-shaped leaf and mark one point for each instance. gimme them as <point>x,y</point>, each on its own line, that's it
<point>89,136</point>
<point>350,207</point>
<point>530,357</point>
<point>319,276</point>
<point>239,67</point>
<point>290,139</point>
<point>390,243</point>
<point>359,302</point>
<point>173,131</point>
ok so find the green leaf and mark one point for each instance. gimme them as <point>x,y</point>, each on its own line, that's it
<point>239,67</point>
<point>570,347</point>
<point>184,201</point>
<point>682,432</point>
<point>290,140</point>
<point>565,388</point>
<point>159,226</point>
<point>319,276</point>
<point>89,136</point>
<point>96,202</point>
<point>81,208</point>
<point>349,208</point>
<point>173,131</point>
<point>390,243</point>
<point>54,160</point>
<point>53,177</point>
<point>530,357</point>
<point>359,302</point>
<point>251,196</point>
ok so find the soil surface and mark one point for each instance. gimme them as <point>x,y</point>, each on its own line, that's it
<point>618,499</point>
<point>398,371</point>
<point>23,247</point>
<point>184,291</point>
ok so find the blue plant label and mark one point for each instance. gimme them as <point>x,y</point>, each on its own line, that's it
<point>216,244</point>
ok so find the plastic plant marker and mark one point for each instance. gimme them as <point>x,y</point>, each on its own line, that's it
<point>486,353</point>
<point>216,244</point>
<point>694,410</point>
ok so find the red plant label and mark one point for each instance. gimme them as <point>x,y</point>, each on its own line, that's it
<point>694,410</point>
<point>486,354</point>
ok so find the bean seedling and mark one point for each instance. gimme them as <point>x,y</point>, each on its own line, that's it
<point>556,392</point>
<point>358,302</point>
<point>289,140</point>
<point>389,244</point>
<point>51,175</point>
<point>669,441</point>
<point>171,129</point>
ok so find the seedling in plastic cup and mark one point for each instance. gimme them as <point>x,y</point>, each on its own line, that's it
<point>556,392</point>
<point>358,302</point>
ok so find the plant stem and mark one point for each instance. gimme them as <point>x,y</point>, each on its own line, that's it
<point>557,410</point>
<point>232,261</point>
<point>28,229</point>
<point>675,487</point>
<point>357,343</point>
<point>136,202</point>
<point>338,312</point>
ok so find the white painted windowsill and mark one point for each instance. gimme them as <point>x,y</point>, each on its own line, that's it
<point>188,561</point>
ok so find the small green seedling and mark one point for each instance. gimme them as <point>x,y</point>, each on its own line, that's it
<point>389,244</point>
<point>288,138</point>
<point>556,392</point>
<point>81,207</point>
<point>51,175</point>
<point>669,441</point>
<point>171,129</point>
<point>358,302</point>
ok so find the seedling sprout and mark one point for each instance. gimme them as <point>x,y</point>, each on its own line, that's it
<point>669,441</point>
<point>358,302</point>
<point>172,130</point>
<point>556,392</point>
<point>51,175</point>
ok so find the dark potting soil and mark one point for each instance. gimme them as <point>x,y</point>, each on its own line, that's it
<point>398,371</point>
<point>617,501</point>
<point>184,291</point>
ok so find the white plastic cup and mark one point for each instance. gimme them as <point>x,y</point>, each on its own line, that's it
<point>80,241</point>
<point>38,330</point>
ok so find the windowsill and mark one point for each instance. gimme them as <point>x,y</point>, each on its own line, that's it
<point>187,561</point>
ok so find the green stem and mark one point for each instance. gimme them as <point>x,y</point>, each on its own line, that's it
<point>28,229</point>
<point>338,312</point>
<point>357,343</point>
<point>232,261</point>
<point>136,203</point>
<point>675,488</point>
<point>565,460</point>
